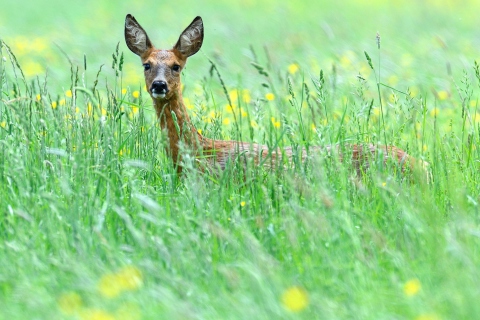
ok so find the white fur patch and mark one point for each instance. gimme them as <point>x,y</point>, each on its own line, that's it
<point>158,95</point>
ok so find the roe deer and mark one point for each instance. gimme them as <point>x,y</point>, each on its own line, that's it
<point>162,77</point>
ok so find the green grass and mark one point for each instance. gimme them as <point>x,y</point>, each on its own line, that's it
<point>95,223</point>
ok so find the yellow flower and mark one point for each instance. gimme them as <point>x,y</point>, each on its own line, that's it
<point>427,316</point>
<point>31,68</point>
<point>95,314</point>
<point>412,287</point>
<point>38,97</point>
<point>188,104</point>
<point>253,124</point>
<point>270,96</point>
<point>127,278</point>
<point>124,91</point>
<point>200,131</point>
<point>477,117</point>
<point>89,109</point>
<point>3,124</point>
<point>442,95</point>
<point>246,96</point>
<point>293,68</point>
<point>226,121</point>
<point>70,303</point>
<point>243,113</point>
<point>294,299</point>
<point>109,286</point>
<point>312,126</point>
<point>275,123</point>
<point>130,278</point>
<point>392,80</point>
<point>68,93</point>
<point>62,102</point>
<point>54,104</point>
<point>434,112</point>
<point>104,112</point>
<point>233,95</point>
<point>136,94</point>
<point>135,110</point>
<point>242,203</point>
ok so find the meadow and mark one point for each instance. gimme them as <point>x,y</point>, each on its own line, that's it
<point>96,224</point>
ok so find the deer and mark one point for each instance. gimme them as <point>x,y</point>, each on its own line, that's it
<point>162,70</point>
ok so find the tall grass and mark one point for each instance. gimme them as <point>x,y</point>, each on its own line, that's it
<point>96,224</point>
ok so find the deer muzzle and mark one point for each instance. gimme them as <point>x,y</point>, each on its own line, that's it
<point>159,89</point>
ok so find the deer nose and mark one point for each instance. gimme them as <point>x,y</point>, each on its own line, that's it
<point>159,87</point>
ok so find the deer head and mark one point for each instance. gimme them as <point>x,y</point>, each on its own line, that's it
<point>163,67</point>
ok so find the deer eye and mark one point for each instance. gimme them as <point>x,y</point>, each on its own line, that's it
<point>146,66</point>
<point>176,68</point>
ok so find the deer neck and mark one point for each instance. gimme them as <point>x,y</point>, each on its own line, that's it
<point>174,119</point>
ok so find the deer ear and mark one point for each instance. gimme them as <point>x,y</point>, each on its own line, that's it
<point>136,38</point>
<point>191,39</point>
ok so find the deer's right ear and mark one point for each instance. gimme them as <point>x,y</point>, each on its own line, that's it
<point>136,38</point>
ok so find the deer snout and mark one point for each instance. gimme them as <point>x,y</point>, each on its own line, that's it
<point>159,89</point>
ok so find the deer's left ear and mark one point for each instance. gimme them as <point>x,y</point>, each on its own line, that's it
<point>191,39</point>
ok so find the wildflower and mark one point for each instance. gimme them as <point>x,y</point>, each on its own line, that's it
<point>61,102</point>
<point>89,109</point>
<point>226,121</point>
<point>128,278</point>
<point>427,316</point>
<point>294,299</point>
<point>477,117</point>
<point>38,97</point>
<point>3,124</point>
<point>70,303</point>
<point>242,204</point>
<point>442,95</point>
<point>246,96</point>
<point>275,122</point>
<point>243,113</point>
<point>188,104</point>
<point>412,287</point>
<point>253,124</point>
<point>434,112</point>
<point>392,80</point>
<point>68,93</point>
<point>233,95</point>
<point>313,127</point>
<point>136,94</point>
<point>270,96</point>
<point>200,131</point>
<point>95,314</point>
<point>104,112</point>
<point>124,91</point>
<point>473,103</point>
<point>108,286</point>
<point>293,68</point>
<point>54,104</point>
<point>32,68</point>
<point>135,110</point>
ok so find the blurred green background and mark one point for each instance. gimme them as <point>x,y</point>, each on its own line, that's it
<point>93,224</point>
<point>315,34</point>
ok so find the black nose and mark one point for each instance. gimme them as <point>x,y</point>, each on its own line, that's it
<point>159,87</point>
